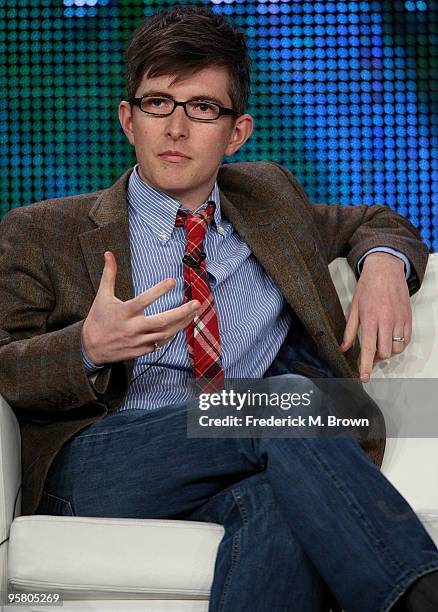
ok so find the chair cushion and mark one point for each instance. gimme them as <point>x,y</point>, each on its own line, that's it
<point>106,605</point>
<point>86,557</point>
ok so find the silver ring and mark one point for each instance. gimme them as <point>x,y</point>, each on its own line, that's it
<point>401,339</point>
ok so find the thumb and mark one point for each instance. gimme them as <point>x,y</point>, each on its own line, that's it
<point>351,328</point>
<point>108,279</point>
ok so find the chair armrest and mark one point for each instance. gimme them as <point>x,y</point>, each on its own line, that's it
<point>411,464</point>
<point>10,480</point>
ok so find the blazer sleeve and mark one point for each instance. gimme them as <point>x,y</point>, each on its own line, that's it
<point>350,231</point>
<point>39,369</point>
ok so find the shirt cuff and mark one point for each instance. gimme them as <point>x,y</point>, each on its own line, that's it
<point>89,366</point>
<point>391,252</point>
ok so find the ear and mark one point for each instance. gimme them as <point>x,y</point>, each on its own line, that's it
<point>125,118</point>
<point>242,130</point>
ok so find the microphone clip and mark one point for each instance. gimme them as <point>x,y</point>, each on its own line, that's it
<point>192,262</point>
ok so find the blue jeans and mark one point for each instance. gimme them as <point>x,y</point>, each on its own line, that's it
<point>302,516</point>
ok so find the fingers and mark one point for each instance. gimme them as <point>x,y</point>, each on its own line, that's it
<point>369,339</point>
<point>386,345</point>
<point>137,305</point>
<point>382,309</point>
<point>147,342</point>
<point>153,345</point>
<point>153,342</point>
<point>397,346</point>
<point>119,330</point>
<point>351,328</point>
<point>174,319</point>
<point>407,331</point>
<point>368,351</point>
<point>108,279</point>
<point>159,328</point>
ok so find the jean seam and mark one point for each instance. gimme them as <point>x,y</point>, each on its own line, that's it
<point>405,582</point>
<point>236,544</point>
<point>351,500</point>
<point>235,556</point>
<point>237,494</point>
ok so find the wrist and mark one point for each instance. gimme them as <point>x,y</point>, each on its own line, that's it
<point>383,258</point>
<point>87,345</point>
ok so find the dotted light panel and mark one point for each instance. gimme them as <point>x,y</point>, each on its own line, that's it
<point>344,94</point>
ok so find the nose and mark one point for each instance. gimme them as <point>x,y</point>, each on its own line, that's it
<point>178,124</point>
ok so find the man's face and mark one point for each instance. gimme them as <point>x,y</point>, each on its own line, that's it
<point>191,178</point>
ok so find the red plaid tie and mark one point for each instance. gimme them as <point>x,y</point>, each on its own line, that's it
<point>203,333</point>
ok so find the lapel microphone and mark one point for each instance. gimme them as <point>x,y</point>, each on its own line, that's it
<point>192,262</point>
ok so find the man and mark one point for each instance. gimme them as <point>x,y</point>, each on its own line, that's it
<point>112,301</point>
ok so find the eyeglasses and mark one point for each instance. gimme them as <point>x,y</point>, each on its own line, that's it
<point>200,110</point>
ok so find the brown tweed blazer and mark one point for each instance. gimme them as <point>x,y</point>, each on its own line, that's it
<point>51,261</point>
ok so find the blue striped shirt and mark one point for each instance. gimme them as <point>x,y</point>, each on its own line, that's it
<point>252,315</point>
<point>253,320</point>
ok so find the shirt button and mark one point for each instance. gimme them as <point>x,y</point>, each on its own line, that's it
<point>163,236</point>
<point>220,229</point>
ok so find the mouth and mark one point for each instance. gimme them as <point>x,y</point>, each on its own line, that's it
<point>173,158</point>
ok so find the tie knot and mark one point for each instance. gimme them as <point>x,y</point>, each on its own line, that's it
<point>196,227</point>
<point>195,223</point>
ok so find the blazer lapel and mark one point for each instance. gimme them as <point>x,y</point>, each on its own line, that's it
<point>110,215</point>
<point>272,241</point>
<point>276,237</point>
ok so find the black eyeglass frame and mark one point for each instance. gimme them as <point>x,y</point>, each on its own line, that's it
<point>222,109</point>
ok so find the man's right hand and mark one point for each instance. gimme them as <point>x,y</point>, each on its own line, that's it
<point>115,330</point>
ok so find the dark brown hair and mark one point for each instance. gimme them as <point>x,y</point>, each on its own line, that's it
<point>183,40</point>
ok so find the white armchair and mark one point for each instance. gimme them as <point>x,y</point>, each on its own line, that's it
<point>104,564</point>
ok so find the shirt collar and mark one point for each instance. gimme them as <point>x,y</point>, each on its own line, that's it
<point>158,209</point>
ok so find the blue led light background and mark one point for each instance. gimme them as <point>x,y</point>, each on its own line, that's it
<point>344,94</point>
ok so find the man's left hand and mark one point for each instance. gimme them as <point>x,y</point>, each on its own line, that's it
<point>381,307</point>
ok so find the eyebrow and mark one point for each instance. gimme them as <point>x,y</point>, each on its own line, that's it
<point>197,97</point>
